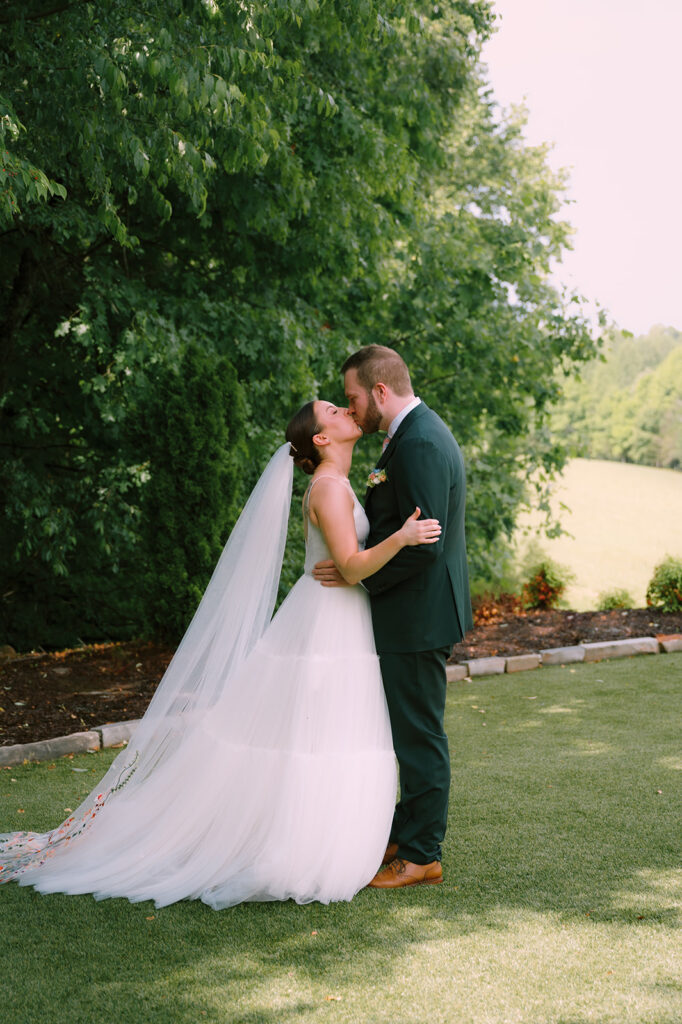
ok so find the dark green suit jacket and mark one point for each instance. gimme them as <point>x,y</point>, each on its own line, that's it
<point>420,599</point>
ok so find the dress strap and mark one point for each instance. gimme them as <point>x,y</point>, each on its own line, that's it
<point>325,476</point>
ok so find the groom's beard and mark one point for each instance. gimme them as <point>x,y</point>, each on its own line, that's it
<point>372,418</point>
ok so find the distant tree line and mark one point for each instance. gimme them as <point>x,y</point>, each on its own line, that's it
<point>204,207</point>
<point>627,405</point>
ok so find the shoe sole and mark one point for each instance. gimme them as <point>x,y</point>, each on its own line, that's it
<point>409,885</point>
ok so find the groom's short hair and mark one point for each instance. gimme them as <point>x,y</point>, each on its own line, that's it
<point>376,364</point>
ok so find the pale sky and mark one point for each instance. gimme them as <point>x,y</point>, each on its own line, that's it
<point>602,81</point>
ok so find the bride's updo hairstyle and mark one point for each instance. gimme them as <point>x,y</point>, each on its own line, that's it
<point>300,432</point>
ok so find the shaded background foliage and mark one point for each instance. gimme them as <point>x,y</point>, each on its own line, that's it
<point>192,417</point>
<point>627,406</point>
<point>210,199</point>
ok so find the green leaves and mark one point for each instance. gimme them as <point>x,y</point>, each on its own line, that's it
<point>665,587</point>
<point>21,182</point>
<point>192,422</point>
<point>141,162</point>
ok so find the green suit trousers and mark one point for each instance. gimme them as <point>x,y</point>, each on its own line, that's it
<point>415,687</point>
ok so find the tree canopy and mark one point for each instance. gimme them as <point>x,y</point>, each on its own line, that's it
<point>274,184</point>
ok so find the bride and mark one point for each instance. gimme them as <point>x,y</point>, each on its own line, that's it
<point>263,768</point>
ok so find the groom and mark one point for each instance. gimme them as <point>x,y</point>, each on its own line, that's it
<point>420,599</point>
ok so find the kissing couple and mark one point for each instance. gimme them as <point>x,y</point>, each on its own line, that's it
<point>265,765</point>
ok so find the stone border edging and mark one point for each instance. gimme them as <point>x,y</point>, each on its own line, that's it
<point>564,656</point>
<point>114,733</point>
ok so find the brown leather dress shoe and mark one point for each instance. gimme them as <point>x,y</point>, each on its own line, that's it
<point>400,873</point>
<point>391,851</point>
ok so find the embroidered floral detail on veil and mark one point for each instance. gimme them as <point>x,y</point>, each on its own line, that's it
<point>23,847</point>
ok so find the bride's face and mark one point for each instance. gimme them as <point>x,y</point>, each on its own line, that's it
<point>336,423</point>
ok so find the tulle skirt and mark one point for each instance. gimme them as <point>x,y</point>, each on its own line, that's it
<point>284,790</point>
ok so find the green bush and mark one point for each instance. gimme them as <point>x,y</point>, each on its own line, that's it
<point>609,600</point>
<point>194,426</point>
<point>499,575</point>
<point>546,584</point>
<point>665,587</point>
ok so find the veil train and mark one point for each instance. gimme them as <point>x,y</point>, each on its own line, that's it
<point>232,616</point>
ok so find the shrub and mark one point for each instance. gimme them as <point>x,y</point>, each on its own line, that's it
<point>194,422</point>
<point>609,600</point>
<point>546,585</point>
<point>489,608</point>
<point>665,587</point>
<point>501,576</point>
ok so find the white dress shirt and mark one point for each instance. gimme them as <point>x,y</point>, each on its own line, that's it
<point>397,420</point>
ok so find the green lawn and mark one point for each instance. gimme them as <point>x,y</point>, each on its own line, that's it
<point>623,519</point>
<point>561,903</point>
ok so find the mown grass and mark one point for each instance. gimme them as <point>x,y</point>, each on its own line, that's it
<point>623,520</point>
<point>561,903</point>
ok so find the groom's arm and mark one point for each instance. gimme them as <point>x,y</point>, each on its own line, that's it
<point>420,476</point>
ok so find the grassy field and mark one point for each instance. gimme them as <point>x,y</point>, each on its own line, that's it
<point>623,520</point>
<point>561,903</point>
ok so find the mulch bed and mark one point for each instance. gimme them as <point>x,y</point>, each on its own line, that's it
<point>502,628</point>
<point>46,695</point>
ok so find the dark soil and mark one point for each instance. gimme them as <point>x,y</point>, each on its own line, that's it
<point>46,695</point>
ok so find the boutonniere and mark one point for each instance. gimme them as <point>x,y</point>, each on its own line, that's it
<point>377,476</point>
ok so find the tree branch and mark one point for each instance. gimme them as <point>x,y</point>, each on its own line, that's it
<point>42,447</point>
<point>60,467</point>
<point>8,18</point>
<point>438,380</point>
<point>23,288</point>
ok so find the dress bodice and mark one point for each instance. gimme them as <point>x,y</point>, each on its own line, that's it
<point>316,549</point>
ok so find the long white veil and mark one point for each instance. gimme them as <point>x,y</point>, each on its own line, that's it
<point>233,614</point>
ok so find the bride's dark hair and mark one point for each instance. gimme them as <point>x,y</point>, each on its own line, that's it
<point>300,432</point>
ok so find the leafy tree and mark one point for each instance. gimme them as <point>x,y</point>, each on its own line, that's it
<point>628,406</point>
<point>274,184</point>
<point>487,336</point>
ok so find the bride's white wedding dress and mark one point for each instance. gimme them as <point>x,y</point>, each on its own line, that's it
<point>282,787</point>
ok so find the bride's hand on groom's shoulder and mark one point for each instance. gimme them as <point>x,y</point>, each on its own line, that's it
<point>328,575</point>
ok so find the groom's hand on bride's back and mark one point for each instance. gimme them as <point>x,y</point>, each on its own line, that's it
<point>328,575</point>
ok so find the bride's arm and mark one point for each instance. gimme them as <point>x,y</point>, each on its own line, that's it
<point>331,508</point>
